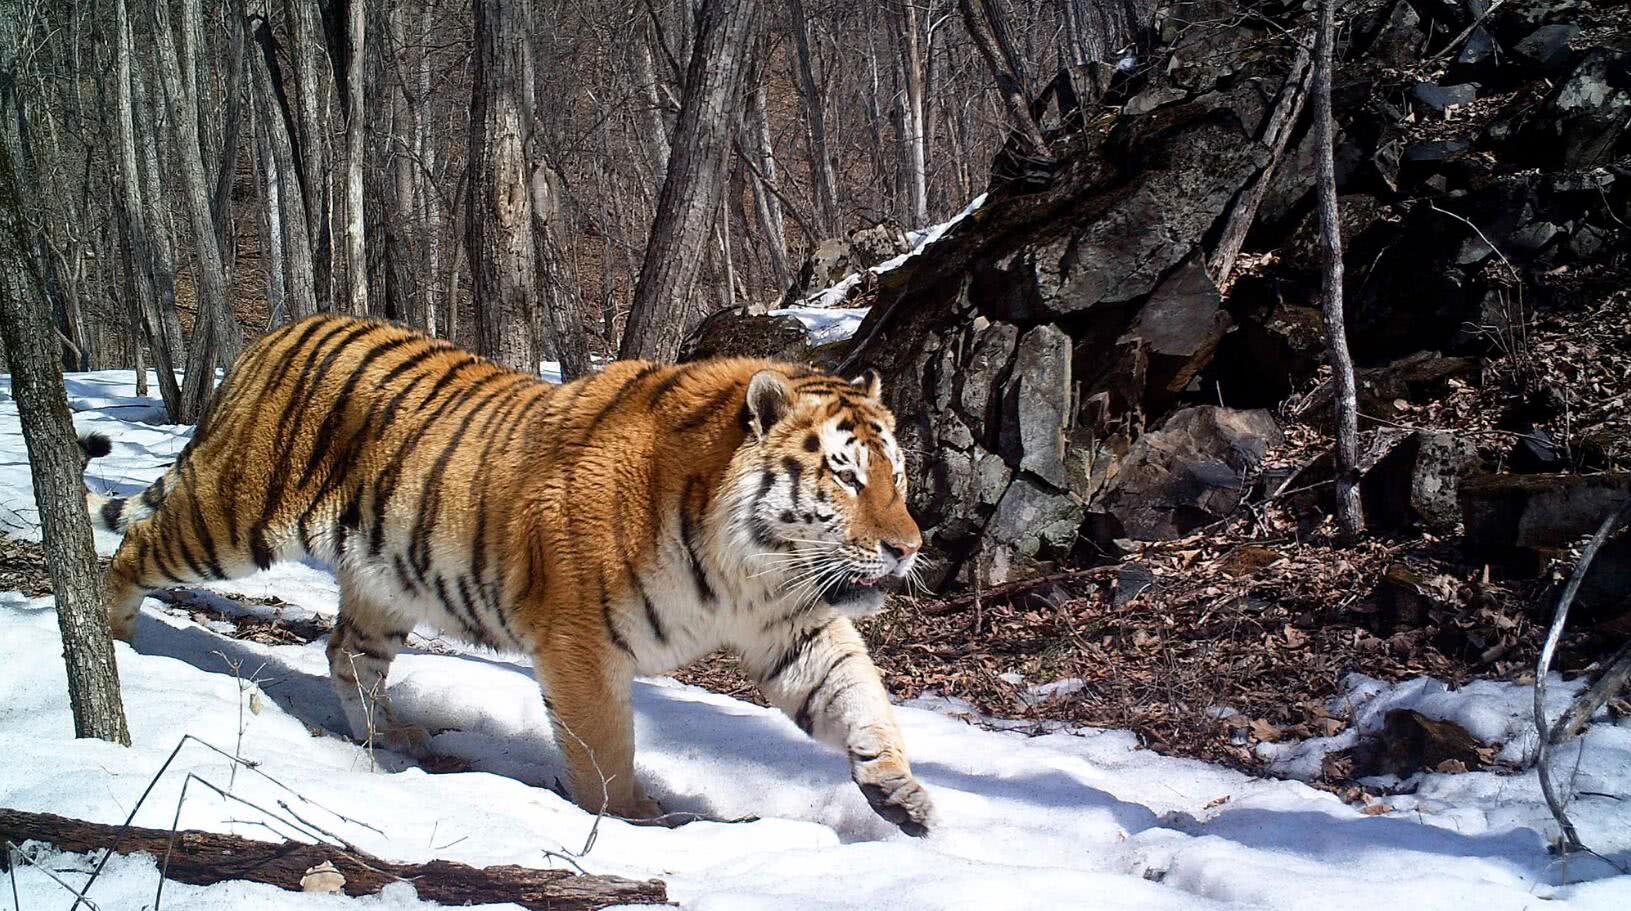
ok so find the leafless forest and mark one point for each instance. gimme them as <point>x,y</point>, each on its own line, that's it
<point>503,174</point>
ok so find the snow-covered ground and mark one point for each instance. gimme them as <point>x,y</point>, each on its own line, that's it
<point>1072,819</point>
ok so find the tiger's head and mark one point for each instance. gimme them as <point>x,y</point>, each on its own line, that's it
<point>820,490</point>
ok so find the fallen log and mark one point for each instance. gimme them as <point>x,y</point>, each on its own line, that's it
<point>204,858</point>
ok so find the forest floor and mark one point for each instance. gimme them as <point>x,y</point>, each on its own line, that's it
<point>1037,718</point>
<point>1240,635</point>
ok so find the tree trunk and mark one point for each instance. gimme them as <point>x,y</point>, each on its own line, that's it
<point>499,228</point>
<point>558,291</point>
<point>34,358</point>
<point>293,240</point>
<point>312,151</point>
<point>985,26</point>
<point>1099,30</point>
<point>813,101</point>
<point>766,205</point>
<point>134,216</point>
<point>356,254</point>
<point>695,184</point>
<point>215,330</point>
<point>271,217</point>
<point>227,169</point>
<point>1350,519</point>
<point>160,234</point>
<point>205,858</point>
<point>909,49</point>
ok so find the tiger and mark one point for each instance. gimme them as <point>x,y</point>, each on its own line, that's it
<point>621,524</point>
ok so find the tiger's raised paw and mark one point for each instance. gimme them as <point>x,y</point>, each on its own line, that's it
<point>896,796</point>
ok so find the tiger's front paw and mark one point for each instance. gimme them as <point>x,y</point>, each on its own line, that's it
<point>895,795</point>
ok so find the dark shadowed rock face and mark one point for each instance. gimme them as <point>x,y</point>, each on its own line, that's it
<point>733,333</point>
<point>1188,473</point>
<point>1510,512</point>
<point>1583,123</point>
<point>1416,482</point>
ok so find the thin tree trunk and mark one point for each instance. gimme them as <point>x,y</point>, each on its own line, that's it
<point>356,253</point>
<point>695,183</point>
<point>765,202</point>
<point>160,228</point>
<point>271,219</point>
<point>1350,519</point>
<point>558,291</point>
<point>815,124</point>
<point>313,149</point>
<point>914,160</point>
<point>34,358</point>
<point>503,259</point>
<point>215,330</point>
<point>293,240</point>
<point>134,217</point>
<point>227,170</point>
<point>657,125</point>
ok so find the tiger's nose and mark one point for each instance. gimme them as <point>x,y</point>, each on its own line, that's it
<point>900,551</point>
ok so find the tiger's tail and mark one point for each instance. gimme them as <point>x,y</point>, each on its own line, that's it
<point>118,513</point>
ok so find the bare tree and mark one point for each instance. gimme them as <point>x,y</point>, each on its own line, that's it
<point>503,259</point>
<point>904,22</point>
<point>216,334</point>
<point>1350,519</point>
<point>356,124</point>
<point>987,27</point>
<point>814,103</point>
<point>695,183</point>
<point>288,225</point>
<point>134,214</point>
<point>34,356</point>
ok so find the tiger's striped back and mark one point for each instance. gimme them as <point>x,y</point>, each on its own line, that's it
<point>625,522</point>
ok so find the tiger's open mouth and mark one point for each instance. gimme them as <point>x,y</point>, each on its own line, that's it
<point>853,591</point>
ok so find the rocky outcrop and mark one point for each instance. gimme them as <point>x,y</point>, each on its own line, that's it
<point>1031,348</point>
<point>735,333</point>
<point>1190,472</point>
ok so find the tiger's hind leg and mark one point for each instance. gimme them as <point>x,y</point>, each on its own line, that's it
<point>365,641</point>
<point>172,537</point>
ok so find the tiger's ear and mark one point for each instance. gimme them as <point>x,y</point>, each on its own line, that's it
<point>768,401</point>
<point>870,381</point>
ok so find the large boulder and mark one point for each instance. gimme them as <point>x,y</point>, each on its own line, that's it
<point>1416,481</point>
<point>1190,472</point>
<point>1509,513</point>
<point>1583,122</point>
<point>828,264</point>
<point>737,333</point>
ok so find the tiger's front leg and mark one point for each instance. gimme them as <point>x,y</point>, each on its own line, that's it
<point>821,676</point>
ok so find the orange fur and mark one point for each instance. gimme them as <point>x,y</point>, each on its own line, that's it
<point>613,525</point>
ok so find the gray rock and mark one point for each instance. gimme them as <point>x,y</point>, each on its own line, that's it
<point>1437,100</point>
<point>1441,150</point>
<point>1180,326</point>
<point>1417,480</point>
<point>827,265</point>
<point>1190,472</point>
<point>877,244</point>
<point>982,374</point>
<point>737,333</point>
<point>1589,111</point>
<point>1546,49</point>
<point>1505,513</point>
<point>1398,39</point>
<point>1034,520</point>
<point>1043,398</point>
